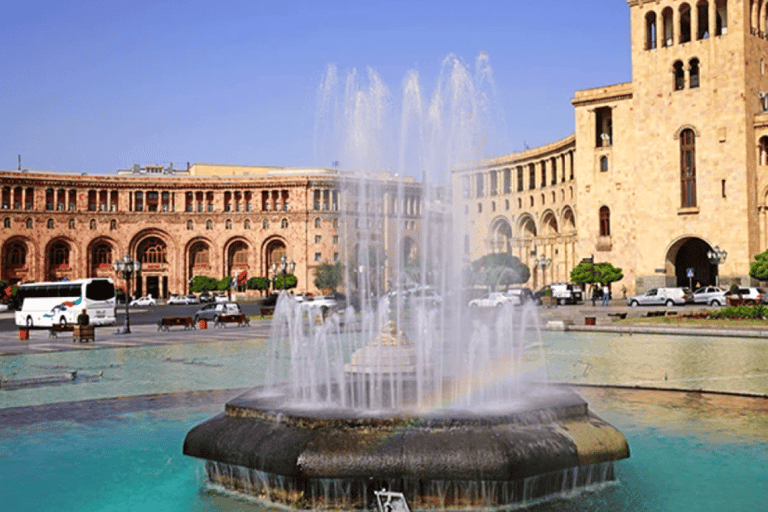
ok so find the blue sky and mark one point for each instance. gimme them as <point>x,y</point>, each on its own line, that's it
<point>94,86</point>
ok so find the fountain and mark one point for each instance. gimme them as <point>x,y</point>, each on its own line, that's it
<point>424,397</point>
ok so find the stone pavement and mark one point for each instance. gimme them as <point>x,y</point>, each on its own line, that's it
<point>140,335</point>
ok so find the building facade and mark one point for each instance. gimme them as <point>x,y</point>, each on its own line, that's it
<point>665,167</point>
<point>212,220</point>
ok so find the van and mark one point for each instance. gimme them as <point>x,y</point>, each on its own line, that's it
<point>566,293</point>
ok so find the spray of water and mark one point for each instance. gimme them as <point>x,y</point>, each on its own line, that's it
<point>400,230</point>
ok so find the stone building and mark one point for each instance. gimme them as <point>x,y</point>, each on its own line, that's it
<point>663,168</point>
<point>212,220</point>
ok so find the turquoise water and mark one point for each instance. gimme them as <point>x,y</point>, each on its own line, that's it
<point>685,456</point>
<point>688,451</point>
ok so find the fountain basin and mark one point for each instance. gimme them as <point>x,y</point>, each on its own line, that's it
<point>302,457</point>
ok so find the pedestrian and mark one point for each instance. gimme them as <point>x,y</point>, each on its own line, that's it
<point>606,295</point>
<point>83,318</point>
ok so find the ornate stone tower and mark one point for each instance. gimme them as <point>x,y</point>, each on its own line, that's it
<point>670,165</point>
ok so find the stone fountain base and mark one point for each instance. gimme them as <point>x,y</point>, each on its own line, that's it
<point>453,459</point>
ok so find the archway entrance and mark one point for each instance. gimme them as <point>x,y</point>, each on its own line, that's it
<point>691,253</point>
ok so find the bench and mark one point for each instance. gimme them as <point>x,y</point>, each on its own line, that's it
<point>241,320</point>
<point>84,333</point>
<point>57,328</point>
<point>617,316</point>
<point>165,324</point>
<point>267,311</point>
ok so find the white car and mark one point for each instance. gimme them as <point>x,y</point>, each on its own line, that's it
<point>178,300</point>
<point>144,301</point>
<point>192,299</point>
<point>495,299</point>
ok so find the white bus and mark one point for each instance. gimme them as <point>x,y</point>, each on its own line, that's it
<point>45,304</point>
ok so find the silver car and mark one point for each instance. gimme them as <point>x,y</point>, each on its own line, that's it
<point>662,297</point>
<point>709,295</point>
<point>213,311</point>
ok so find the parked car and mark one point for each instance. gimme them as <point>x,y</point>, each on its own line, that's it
<point>331,301</point>
<point>495,299</point>
<point>220,297</point>
<point>192,299</point>
<point>177,300</point>
<point>213,311</point>
<point>751,295</point>
<point>147,300</point>
<point>206,297</point>
<point>709,295</point>
<point>566,293</point>
<point>662,297</point>
<point>524,294</point>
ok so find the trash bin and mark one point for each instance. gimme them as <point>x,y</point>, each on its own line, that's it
<point>589,320</point>
<point>202,323</point>
<point>23,334</point>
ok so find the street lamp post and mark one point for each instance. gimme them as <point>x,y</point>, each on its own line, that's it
<point>284,266</point>
<point>542,263</point>
<point>716,256</point>
<point>126,268</point>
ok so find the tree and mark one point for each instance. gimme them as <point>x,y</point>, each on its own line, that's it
<point>225,283</point>
<point>204,284</point>
<point>758,269</point>
<point>499,269</point>
<point>258,283</point>
<point>328,276</point>
<point>588,272</point>
<point>285,281</point>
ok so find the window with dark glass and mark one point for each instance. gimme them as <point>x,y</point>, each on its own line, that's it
<point>693,73</point>
<point>688,168</point>
<point>679,74</point>
<point>605,221</point>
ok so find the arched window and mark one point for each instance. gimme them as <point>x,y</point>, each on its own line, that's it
<point>669,30</point>
<point>603,163</point>
<point>605,221</point>
<point>113,225</point>
<point>71,223</point>
<point>693,73</point>
<point>763,144</point>
<point>679,75</point>
<point>265,223</point>
<point>60,255</point>
<point>190,225</point>
<point>7,222</point>
<point>336,223</point>
<point>284,223</point>
<point>650,31</point>
<point>16,256</point>
<point>30,223</point>
<point>721,17</point>
<point>93,224</point>
<point>200,255</point>
<point>688,168</point>
<point>152,250</point>
<point>228,224</point>
<point>685,23</point>
<point>702,15</point>
<point>318,222</point>
<point>102,255</point>
<point>209,224</point>
<point>247,224</point>
<point>50,223</point>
